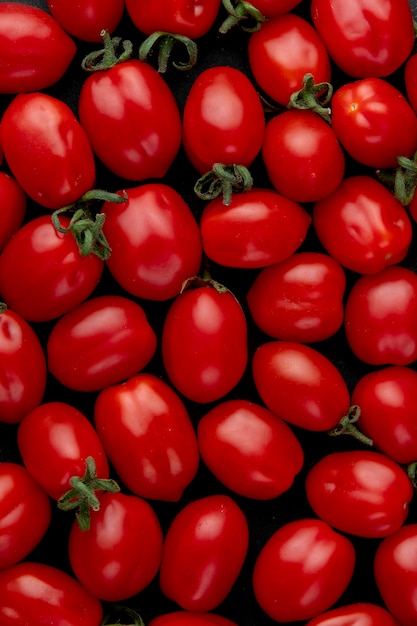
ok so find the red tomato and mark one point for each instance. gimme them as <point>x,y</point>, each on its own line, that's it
<point>282,51</point>
<point>34,50</point>
<point>155,241</point>
<point>22,367</point>
<point>381,317</point>
<point>272,8</point>
<point>249,449</point>
<point>36,594</point>
<point>100,343</point>
<point>300,385</point>
<point>120,554</point>
<point>132,120</point>
<point>25,513</point>
<point>204,550</point>
<point>42,273</point>
<point>258,228</point>
<point>88,18</point>
<point>356,614</point>
<point>302,570</point>
<point>299,299</point>
<point>302,155</point>
<point>191,618</point>
<point>360,492</point>
<point>148,436</point>
<point>223,119</point>
<point>365,37</point>
<point>204,343</point>
<point>362,225</point>
<point>410,70</point>
<point>13,207</point>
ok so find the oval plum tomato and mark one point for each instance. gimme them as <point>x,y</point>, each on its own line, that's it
<point>381,317</point>
<point>54,441</point>
<point>87,19</point>
<point>374,122</point>
<point>362,225</point>
<point>148,436</point>
<point>120,554</point>
<point>42,272</point>
<point>132,120</point>
<point>25,513</point>
<point>191,618</point>
<point>300,385</point>
<point>258,228</point>
<point>249,449</point>
<point>223,119</point>
<point>410,72</point>
<point>13,207</point>
<point>302,155</point>
<point>302,570</point>
<point>101,342</point>
<point>36,593</point>
<point>364,37</point>
<point>299,299</point>
<point>155,241</point>
<point>282,51</point>
<point>204,343</point>
<point>22,367</point>
<point>204,551</point>
<point>360,492</point>
<point>34,49</point>
<point>355,614</point>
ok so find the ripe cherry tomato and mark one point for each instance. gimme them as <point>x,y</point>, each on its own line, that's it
<point>204,343</point>
<point>363,37</point>
<point>282,51</point>
<point>302,556</point>
<point>155,241</point>
<point>88,18</point>
<point>249,449</point>
<point>381,317</point>
<point>191,618</point>
<point>34,50</point>
<point>299,299</point>
<point>204,550</point>
<point>100,342</point>
<point>36,593</point>
<point>300,385</point>
<point>148,436</point>
<point>360,492</point>
<point>410,71</point>
<point>272,8</point>
<point>362,225</point>
<point>356,614</point>
<point>13,207</point>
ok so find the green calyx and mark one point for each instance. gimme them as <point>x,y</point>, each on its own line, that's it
<point>402,180</point>
<point>314,97</point>
<point>165,43</point>
<point>242,13</point>
<point>115,50</point>
<point>346,426</point>
<point>223,180</point>
<point>122,613</point>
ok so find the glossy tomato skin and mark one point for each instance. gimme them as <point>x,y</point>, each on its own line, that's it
<point>362,225</point>
<point>120,554</point>
<point>272,8</point>
<point>302,155</point>
<point>381,317</point>
<point>155,241</point>
<point>25,513</point>
<point>40,134</point>
<point>132,120</point>
<point>144,424</point>
<point>282,51</point>
<point>374,122</point>
<point>42,272</point>
<point>191,618</point>
<point>204,550</point>
<point>223,119</point>
<point>22,368</point>
<point>363,38</point>
<point>258,228</point>
<point>204,343</point>
<point>410,71</point>
<point>35,50</point>
<point>13,207</point>
<point>36,593</point>
<point>86,20</point>
<point>299,299</point>
<point>300,385</point>
<point>360,492</point>
<point>355,614</point>
<point>249,449</point>
<point>54,441</point>
<point>101,342</point>
<point>302,556</point>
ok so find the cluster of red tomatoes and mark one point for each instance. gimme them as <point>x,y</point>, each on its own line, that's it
<point>207,274</point>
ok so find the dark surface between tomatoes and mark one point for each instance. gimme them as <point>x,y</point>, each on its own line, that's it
<point>263,517</point>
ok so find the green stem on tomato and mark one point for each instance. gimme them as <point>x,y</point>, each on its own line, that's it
<point>166,42</point>
<point>314,97</point>
<point>346,426</point>
<point>239,13</point>
<point>223,180</point>
<point>116,50</point>
<point>402,179</point>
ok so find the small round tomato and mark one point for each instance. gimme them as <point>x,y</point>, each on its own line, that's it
<point>360,492</point>
<point>299,299</point>
<point>302,570</point>
<point>356,614</point>
<point>204,550</point>
<point>191,618</point>
<point>86,20</point>
<point>13,207</point>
